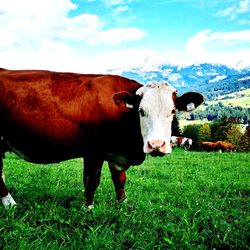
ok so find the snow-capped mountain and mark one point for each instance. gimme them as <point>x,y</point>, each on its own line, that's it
<point>182,75</point>
<point>204,77</point>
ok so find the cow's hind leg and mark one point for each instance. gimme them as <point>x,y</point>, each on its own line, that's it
<point>91,178</point>
<point>119,180</point>
<point>6,197</point>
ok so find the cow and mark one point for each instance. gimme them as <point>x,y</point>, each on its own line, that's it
<point>183,142</point>
<point>225,146</point>
<point>221,146</point>
<point>49,117</point>
<point>209,146</point>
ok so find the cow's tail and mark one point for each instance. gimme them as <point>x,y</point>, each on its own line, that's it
<point>3,147</point>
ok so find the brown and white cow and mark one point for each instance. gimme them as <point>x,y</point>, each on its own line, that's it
<point>183,142</point>
<point>48,117</point>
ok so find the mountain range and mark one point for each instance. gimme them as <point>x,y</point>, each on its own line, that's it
<point>211,80</point>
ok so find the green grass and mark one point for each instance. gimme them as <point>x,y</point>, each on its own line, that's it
<point>241,101</point>
<point>240,98</point>
<point>188,200</point>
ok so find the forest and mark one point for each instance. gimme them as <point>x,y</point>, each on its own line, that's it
<point>219,110</point>
<point>212,90</point>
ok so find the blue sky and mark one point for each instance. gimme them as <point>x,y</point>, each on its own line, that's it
<point>92,36</point>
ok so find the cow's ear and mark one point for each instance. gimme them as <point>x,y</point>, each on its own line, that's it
<point>188,101</point>
<point>123,100</point>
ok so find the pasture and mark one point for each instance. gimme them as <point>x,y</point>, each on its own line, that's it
<point>188,200</point>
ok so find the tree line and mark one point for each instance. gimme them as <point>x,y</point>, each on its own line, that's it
<point>217,111</point>
<point>224,129</point>
<point>212,90</point>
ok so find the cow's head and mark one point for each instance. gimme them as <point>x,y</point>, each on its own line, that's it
<point>156,110</point>
<point>158,103</point>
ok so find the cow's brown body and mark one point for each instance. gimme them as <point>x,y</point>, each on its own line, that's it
<point>49,117</point>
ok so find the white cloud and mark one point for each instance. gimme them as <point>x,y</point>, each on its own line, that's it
<point>196,44</point>
<point>30,12</point>
<point>213,46</point>
<point>244,6</point>
<point>228,12</point>
<point>241,7</point>
<point>223,47</point>
<point>244,22</point>
<point>117,2</point>
<point>41,34</point>
<point>28,22</point>
<point>121,9</point>
<point>126,58</point>
<point>117,35</point>
<point>80,28</point>
<point>113,2</point>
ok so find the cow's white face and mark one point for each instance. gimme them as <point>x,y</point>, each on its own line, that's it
<point>156,112</point>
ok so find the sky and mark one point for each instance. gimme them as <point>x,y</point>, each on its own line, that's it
<point>94,36</point>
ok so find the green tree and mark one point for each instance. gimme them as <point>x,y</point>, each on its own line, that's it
<point>214,126</point>
<point>221,132</point>
<point>221,129</point>
<point>176,131</point>
<point>244,145</point>
<point>204,133</point>
<point>234,134</point>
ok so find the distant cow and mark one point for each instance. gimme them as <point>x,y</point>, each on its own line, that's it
<point>48,117</point>
<point>183,142</point>
<point>221,146</point>
<point>226,146</point>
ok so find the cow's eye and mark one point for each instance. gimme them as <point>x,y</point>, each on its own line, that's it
<point>173,112</point>
<point>141,112</point>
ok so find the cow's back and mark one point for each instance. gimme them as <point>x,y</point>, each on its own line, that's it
<point>50,116</point>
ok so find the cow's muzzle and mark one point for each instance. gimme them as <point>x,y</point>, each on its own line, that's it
<point>157,148</point>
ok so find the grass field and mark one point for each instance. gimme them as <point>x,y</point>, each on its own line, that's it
<point>188,200</point>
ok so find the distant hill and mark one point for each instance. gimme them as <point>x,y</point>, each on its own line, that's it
<point>241,98</point>
<point>212,80</point>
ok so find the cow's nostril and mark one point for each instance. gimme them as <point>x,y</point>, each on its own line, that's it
<point>150,146</point>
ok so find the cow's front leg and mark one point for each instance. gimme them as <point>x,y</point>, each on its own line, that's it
<point>119,180</point>
<point>5,196</point>
<point>91,178</point>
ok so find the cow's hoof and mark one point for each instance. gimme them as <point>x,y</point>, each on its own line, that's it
<point>121,201</point>
<point>8,201</point>
<point>90,207</point>
<point>125,201</point>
